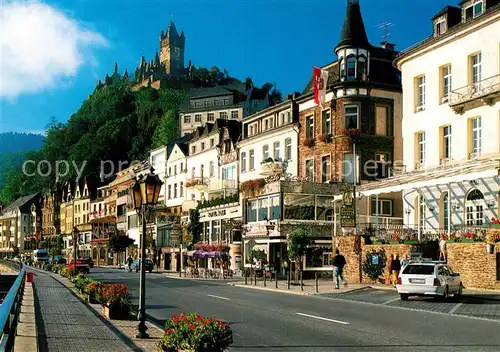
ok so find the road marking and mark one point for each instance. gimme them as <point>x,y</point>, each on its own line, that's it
<point>219,297</point>
<point>321,318</point>
<point>391,300</point>
<point>454,309</point>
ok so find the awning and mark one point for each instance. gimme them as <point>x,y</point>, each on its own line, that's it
<point>205,254</point>
<point>443,175</point>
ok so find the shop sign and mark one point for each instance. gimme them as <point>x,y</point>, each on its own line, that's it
<point>215,213</point>
<point>348,216</point>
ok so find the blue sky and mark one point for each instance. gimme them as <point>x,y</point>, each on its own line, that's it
<point>58,49</point>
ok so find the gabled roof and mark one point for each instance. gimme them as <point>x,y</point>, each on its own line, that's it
<point>446,9</point>
<point>19,202</point>
<point>181,143</point>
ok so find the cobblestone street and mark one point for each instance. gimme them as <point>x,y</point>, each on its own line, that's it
<point>66,324</point>
<point>469,305</point>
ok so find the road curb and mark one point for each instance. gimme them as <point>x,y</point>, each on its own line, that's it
<point>271,289</point>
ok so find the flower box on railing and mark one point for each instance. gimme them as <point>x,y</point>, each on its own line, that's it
<point>308,142</point>
<point>271,166</point>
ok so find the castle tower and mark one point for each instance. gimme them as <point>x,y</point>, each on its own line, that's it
<point>172,50</point>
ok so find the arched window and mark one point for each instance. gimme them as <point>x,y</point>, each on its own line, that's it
<point>351,68</point>
<point>362,68</point>
<point>474,208</point>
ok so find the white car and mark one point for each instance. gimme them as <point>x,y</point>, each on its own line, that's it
<point>428,278</point>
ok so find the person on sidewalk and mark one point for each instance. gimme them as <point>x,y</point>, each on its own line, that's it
<point>129,263</point>
<point>338,268</point>
<point>395,268</point>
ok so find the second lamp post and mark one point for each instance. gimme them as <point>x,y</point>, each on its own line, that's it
<point>146,191</point>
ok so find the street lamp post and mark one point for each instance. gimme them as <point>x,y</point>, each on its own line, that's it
<point>146,191</point>
<point>76,233</point>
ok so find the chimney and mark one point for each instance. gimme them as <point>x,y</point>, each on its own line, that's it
<point>388,46</point>
<point>288,97</point>
<point>295,95</point>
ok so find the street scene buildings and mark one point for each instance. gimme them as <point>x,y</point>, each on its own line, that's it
<point>413,136</point>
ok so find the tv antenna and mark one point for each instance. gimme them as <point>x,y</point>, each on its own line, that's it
<point>385,27</point>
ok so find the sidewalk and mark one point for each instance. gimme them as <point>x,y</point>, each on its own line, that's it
<point>309,287</point>
<point>65,323</point>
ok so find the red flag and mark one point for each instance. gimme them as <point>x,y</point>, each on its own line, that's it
<point>320,79</point>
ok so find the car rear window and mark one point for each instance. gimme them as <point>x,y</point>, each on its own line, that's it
<point>419,269</point>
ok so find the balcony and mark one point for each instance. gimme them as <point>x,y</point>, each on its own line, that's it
<point>200,183</point>
<point>270,167</point>
<point>222,186</point>
<point>485,92</point>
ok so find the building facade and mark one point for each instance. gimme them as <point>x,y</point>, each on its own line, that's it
<point>451,122</point>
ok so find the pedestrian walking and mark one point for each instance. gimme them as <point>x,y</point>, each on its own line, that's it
<point>129,263</point>
<point>395,268</point>
<point>338,267</point>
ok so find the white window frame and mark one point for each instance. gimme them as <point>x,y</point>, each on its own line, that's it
<point>447,79</point>
<point>439,25</point>
<point>326,118</point>
<point>477,68</point>
<point>473,6</point>
<point>447,141</point>
<point>243,162</point>
<point>310,126</point>
<point>210,117</point>
<point>187,119</point>
<point>381,207</point>
<point>346,115</point>
<point>197,118</point>
<point>265,151</point>
<point>276,150</point>
<point>235,114</point>
<point>421,93</point>
<point>309,170</point>
<point>421,148</point>
<point>477,135</point>
<point>223,115</point>
<point>251,160</point>
<point>349,60</point>
<point>288,149</point>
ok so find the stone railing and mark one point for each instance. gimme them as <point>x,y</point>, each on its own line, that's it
<point>475,91</point>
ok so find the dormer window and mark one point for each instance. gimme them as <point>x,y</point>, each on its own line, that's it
<point>440,28</point>
<point>474,9</point>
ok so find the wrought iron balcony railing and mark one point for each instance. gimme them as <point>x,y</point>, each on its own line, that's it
<point>481,89</point>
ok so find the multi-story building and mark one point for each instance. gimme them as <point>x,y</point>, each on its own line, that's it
<point>232,101</point>
<point>51,203</point>
<point>67,213</point>
<point>361,118</point>
<point>103,224</point>
<point>83,192</point>
<point>18,225</point>
<point>451,121</point>
<point>220,211</point>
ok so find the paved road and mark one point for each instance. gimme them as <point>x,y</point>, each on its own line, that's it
<point>269,321</point>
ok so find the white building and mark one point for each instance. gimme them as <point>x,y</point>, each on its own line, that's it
<point>269,141</point>
<point>228,102</point>
<point>451,122</point>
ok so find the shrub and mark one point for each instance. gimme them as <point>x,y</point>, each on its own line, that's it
<point>94,289</point>
<point>196,333</point>
<point>115,295</point>
<point>47,267</point>
<point>82,282</point>
<point>63,272</point>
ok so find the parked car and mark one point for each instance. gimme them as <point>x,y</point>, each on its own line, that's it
<point>57,259</point>
<point>136,265</point>
<point>429,278</point>
<point>81,266</point>
<point>88,261</point>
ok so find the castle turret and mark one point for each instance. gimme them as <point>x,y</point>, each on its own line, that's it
<point>172,50</point>
<point>353,49</point>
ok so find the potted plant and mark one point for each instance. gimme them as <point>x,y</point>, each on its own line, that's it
<point>195,333</point>
<point>93,290</point>
<point>468,237</point>
<point>115,300</point>
<point>495,223</point>
<point>308,142</point>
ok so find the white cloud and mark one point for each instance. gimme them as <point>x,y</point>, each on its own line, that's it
<point>41,47</point>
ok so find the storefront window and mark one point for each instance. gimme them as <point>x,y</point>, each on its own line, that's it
<point>324,208</point>
<point>252,211</point>
<point>263,209</point>
<point>299,207</point>
<point>215,230</point>
<point>317,257</point>
<point>274,208</point>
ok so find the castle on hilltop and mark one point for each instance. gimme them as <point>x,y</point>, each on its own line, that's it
<point>167,70</point>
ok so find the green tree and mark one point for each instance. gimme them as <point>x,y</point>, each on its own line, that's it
<point>57,250</point>
<point>166,131</point>
<point>194,226</point>
<point>119,244</point>
<point>297,246</point>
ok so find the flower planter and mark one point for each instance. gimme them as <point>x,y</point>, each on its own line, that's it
<point>91,298</point>
<point>393,242</point>
<point>378,242</point>
<point>411,242</point>
<point>114,312</point>
<point>467,240</point>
